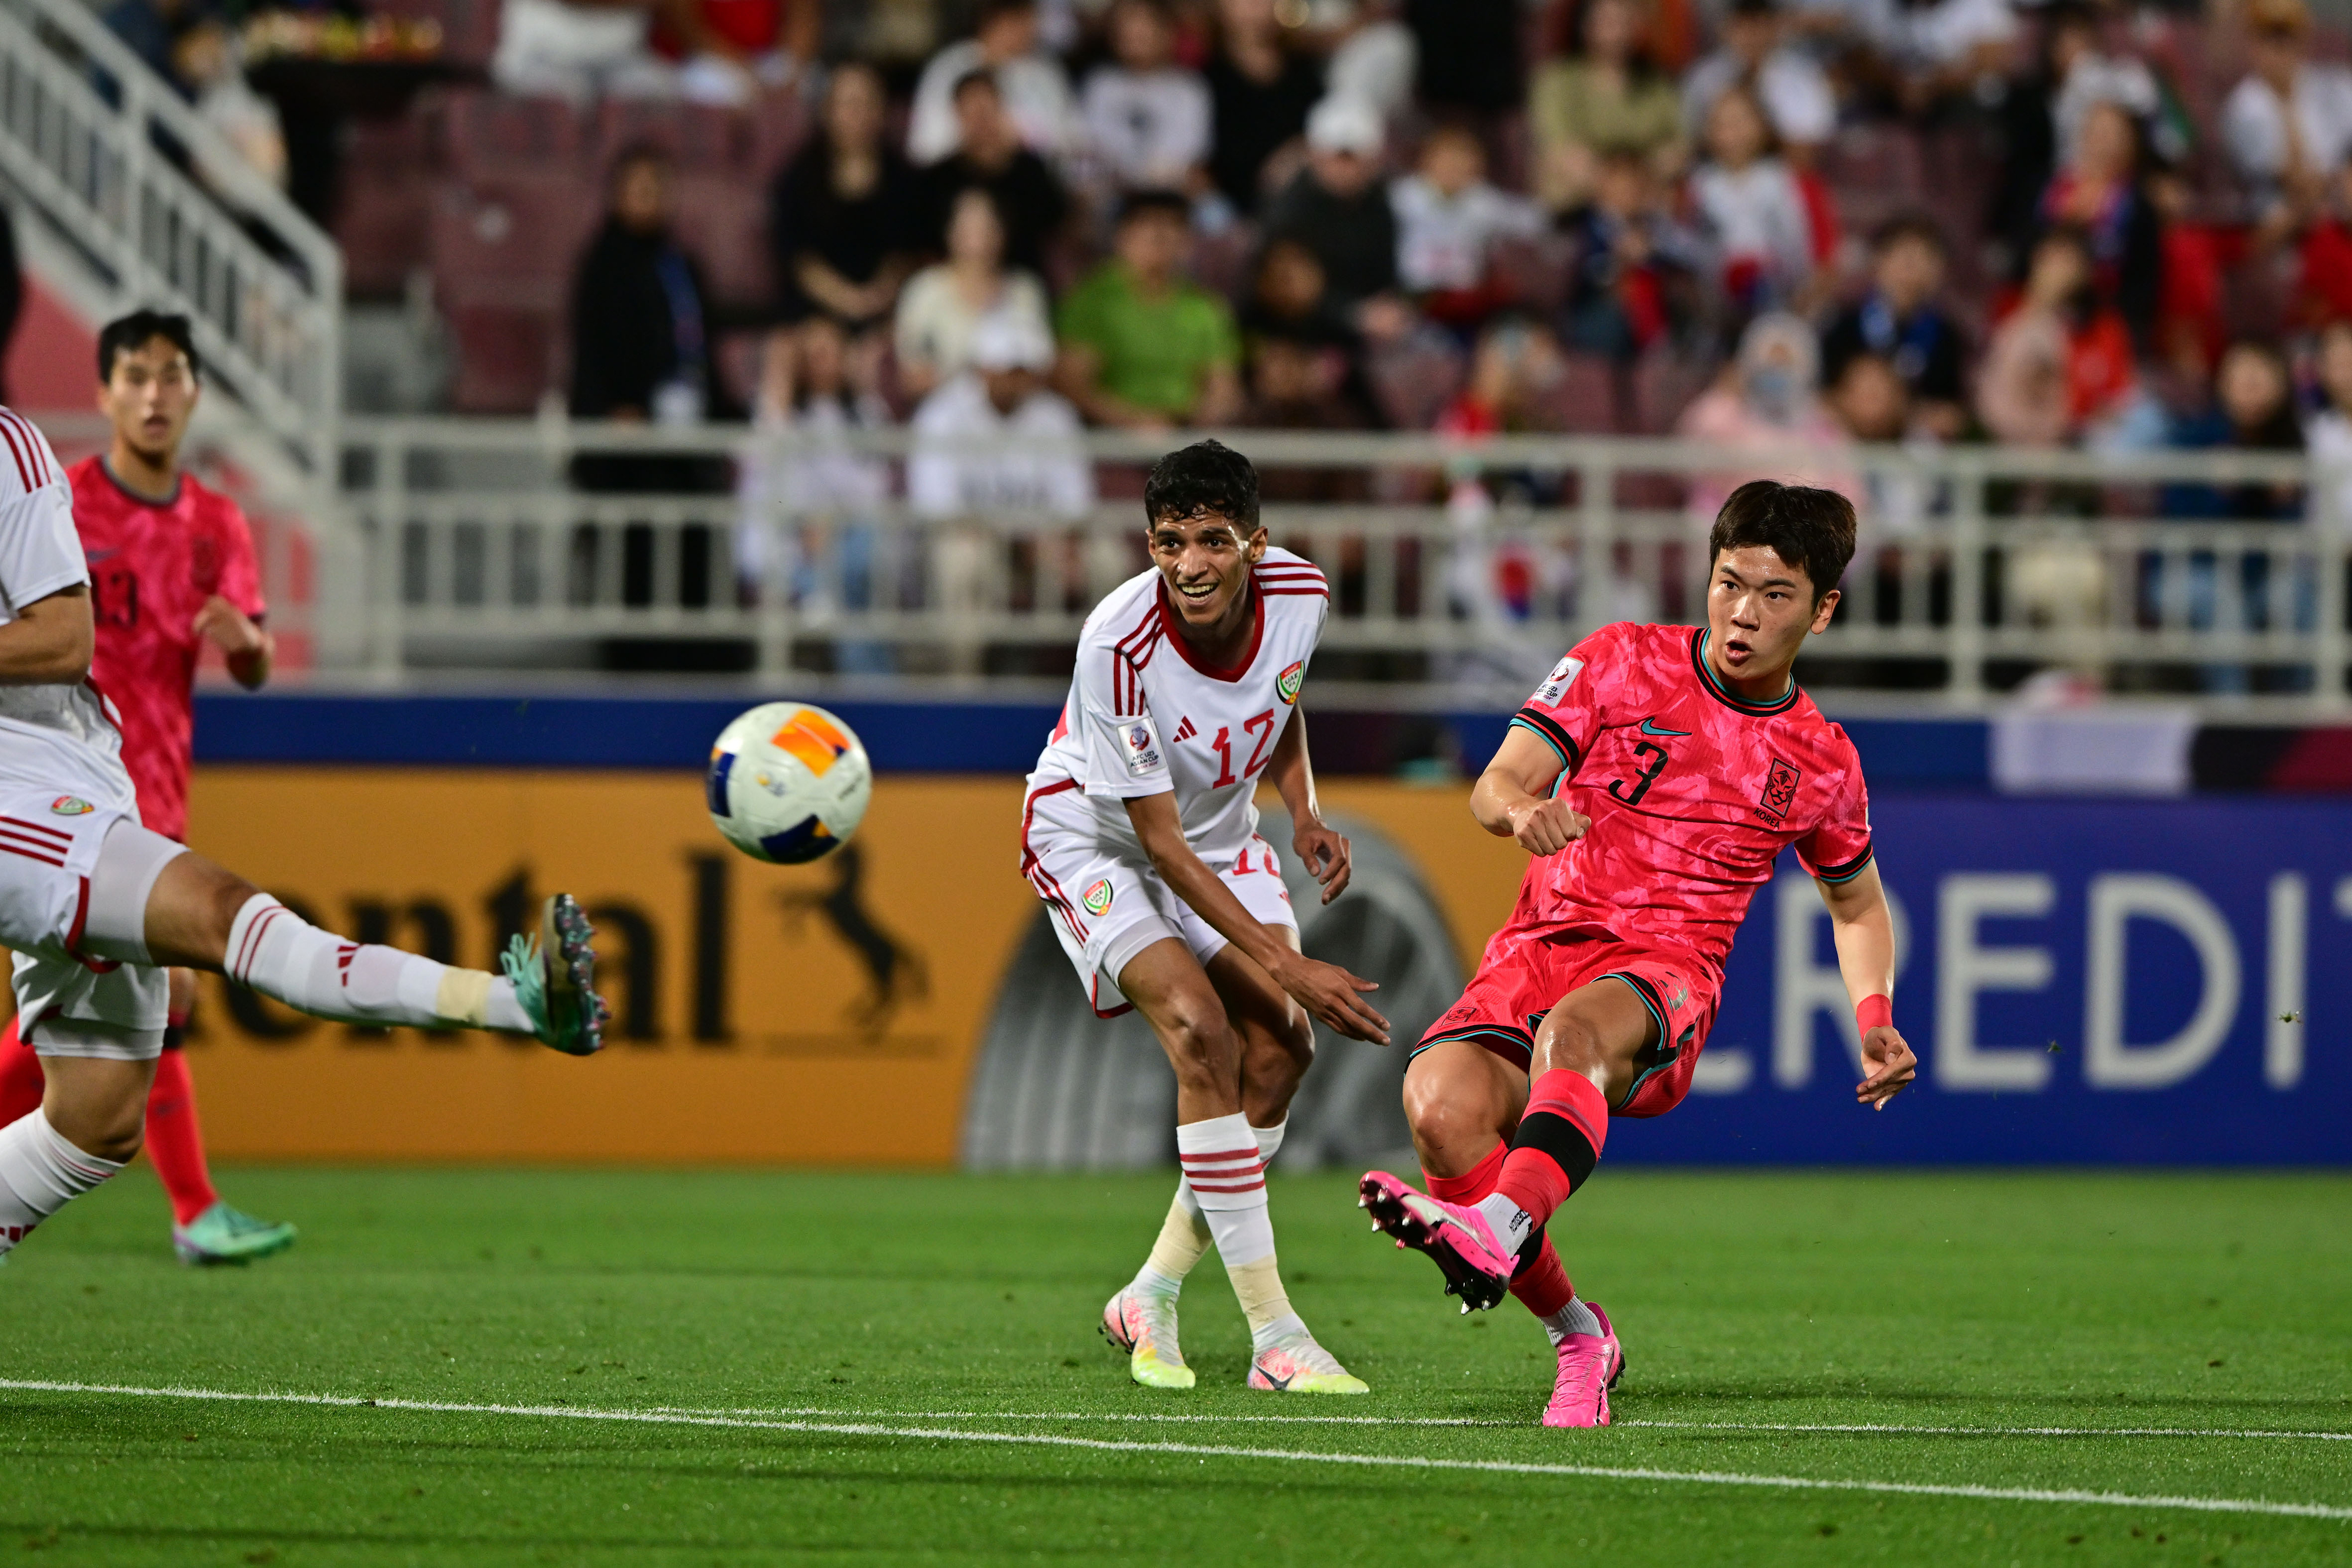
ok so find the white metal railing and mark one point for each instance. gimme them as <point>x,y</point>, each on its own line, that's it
<point>158,210</point>
<point>1975,565</point>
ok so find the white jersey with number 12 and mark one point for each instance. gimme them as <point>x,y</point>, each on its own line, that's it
<point>1148,714</point>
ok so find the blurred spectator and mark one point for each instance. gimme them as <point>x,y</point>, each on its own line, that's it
<point>2061,364</point>
<point>1785,80</point>
<point>995,439</point>
<point>1291,299</point>
<point>1030,201</point>
<point>205,60</point>
<point>556,48</point>
<point>1468,56</point>
<point>1752,208</point>
<point>1868,398</point>
<point>1448,218</point>
<point>1634,263</point>
<point>2252,410</point>
<point>1337,206</point>
<point>1765,404</point>
<point>1902,322</point>
<point>2288,125</point>
<point>2327,255</point>
<point>2043,110</point>
<point>1294,385</point>
<point>845,211</point>
<point>1147,117</point>
<point>1142,347</point>
<point>1516,363</point>
<point>640,328</point>
<point>729,50</point>
<point>2329,435</point>
<point>1931,52</point>
<point>1608,93</point>
<point>2102,192</point>
<point>820,498</point>
<point>147,28</point>
<point>1036,93</point>
<point>1261,91</point>
<point>942,305</point>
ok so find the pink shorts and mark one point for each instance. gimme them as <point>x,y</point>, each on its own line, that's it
<point>1525,974</point>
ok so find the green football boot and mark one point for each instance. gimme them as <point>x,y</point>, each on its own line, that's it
<point>554,976</point>
<point>225,1235</point>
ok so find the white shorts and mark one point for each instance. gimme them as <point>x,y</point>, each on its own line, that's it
<point>1108,908</point>
<point>69,1003</point>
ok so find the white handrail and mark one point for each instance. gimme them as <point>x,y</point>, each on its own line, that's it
<point>268,318</point>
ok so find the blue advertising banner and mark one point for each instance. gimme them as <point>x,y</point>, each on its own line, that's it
<point>2158,982</point>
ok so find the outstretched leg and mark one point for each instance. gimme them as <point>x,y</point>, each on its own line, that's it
<point>190,912</point>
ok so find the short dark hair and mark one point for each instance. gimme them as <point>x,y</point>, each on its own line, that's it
<point>1143,203</point>
<point>1207,476</point>
<point>1803,526</point>
<point>979,76</point>
<point>990,10</point>
<point>128,334</point>
<point>1910,226</point>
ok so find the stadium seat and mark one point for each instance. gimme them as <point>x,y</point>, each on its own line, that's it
<point>726,233</point>
<point>1665,383</point>
<point>506,357</point>
<point>385,205</point>
<point>1535,270</point>
<point>484,132</point>
<point>701,138</point>
<point>780,123</point>
<point>1414,380</point>
<point>1592,397</point>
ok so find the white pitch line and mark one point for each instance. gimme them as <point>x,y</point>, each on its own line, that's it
<point>1887,1429</point>
<point>1210,1450</point>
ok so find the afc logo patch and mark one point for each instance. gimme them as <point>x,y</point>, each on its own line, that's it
<point>1780,790</point>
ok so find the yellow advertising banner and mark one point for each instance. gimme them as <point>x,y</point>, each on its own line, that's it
<point>820,1014</point>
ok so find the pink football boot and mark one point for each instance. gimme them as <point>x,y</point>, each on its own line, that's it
<point>1589,1366</point>
<point>1476,1266</point>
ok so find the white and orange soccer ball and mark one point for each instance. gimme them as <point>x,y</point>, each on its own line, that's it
<point>788,782</point>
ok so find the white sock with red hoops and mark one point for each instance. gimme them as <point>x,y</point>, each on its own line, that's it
<point>1184,1234</point>
<point>284,957</point>
<point>1227,1175</point>
<point>40,1173</point>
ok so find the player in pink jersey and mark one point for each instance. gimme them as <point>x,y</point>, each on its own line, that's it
<point>171,569</point>
<point>1139,831</point>
<point>1654,776</point>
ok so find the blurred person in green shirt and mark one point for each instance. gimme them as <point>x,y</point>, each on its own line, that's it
<point>1143,348</point>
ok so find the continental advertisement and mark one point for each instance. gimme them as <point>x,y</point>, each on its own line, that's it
<point>823,1014</point>
<point>2085,981</point>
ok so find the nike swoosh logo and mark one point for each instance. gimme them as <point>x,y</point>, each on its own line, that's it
<point>1650,726</point>
<point>1281,1385</point>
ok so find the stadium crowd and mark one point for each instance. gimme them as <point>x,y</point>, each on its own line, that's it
<point>1855,220</point>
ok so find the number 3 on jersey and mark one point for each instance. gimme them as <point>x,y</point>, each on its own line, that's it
<point>1653,757</point>
<point>1260,724</point>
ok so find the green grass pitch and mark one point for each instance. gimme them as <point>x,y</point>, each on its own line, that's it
<point>1757,1309</point>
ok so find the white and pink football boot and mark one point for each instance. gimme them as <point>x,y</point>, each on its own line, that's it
<point>1477,1267</point>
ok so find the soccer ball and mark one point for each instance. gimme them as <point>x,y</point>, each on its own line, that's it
<point>788,782</point>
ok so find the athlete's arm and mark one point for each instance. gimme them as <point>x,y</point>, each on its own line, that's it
<point>49,643</point>
<point>1320,849</point>
<point>1326,991</point>
<point>1864,932</point>
<point>248,647</point>
<point>1512,798</point>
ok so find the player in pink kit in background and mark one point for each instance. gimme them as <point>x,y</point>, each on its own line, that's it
<point>171,569</point>
<point>1655,777</point>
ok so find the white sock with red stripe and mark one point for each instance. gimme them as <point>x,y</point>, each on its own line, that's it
<point>1184,1234</point>
<point>1227,1175</point>
<point>40,1173</point>
<point>284,957</point>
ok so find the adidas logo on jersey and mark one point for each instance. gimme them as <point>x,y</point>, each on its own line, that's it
<point>1184,730</point>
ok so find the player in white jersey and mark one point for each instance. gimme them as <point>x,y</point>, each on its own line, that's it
<point>96,907</point>
<point>1139,831</point>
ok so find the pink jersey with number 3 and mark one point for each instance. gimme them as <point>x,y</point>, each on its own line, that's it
<point>1148,715</point>
<point>1693,792</point>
